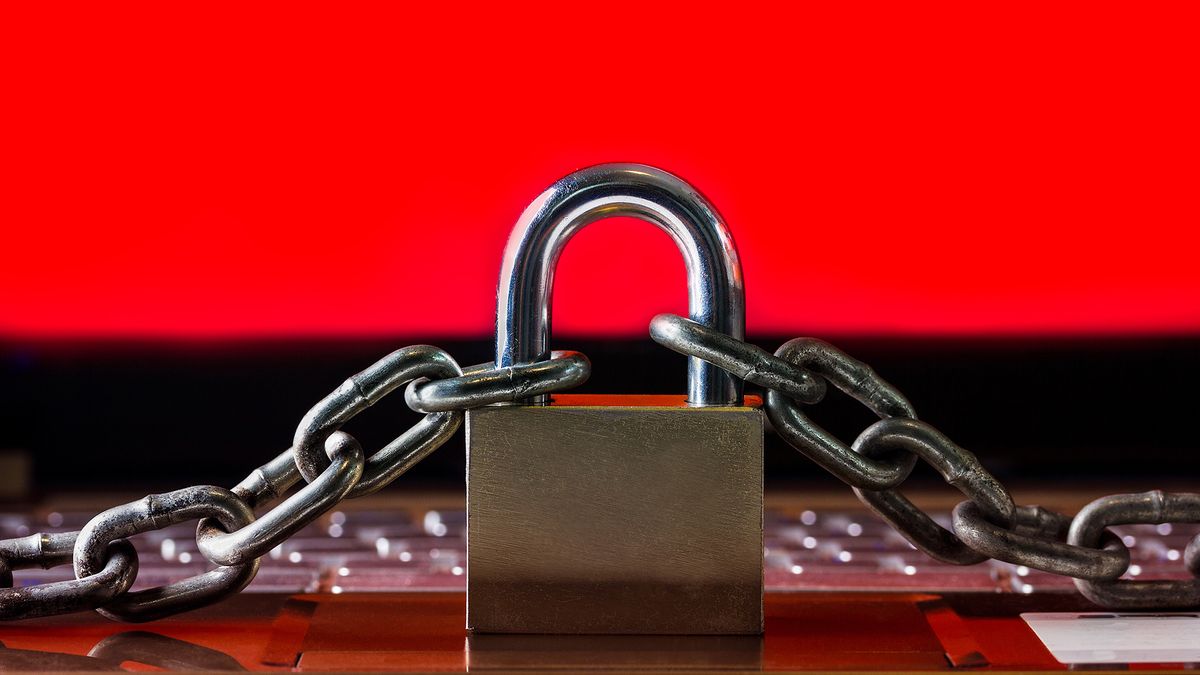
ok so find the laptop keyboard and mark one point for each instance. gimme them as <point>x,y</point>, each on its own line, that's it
<point>395,550</point>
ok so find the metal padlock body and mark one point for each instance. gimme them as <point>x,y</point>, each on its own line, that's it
<point>616,514</point>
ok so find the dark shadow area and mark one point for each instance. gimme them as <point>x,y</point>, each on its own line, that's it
<point>108,415</point>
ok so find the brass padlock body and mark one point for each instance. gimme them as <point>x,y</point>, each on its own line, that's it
<point>615,514</point>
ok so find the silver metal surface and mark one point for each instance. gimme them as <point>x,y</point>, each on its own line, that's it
<point>363,390</point>
<point>787,379</point>
<point>749,362</point>
<point>1041,544</point>
<point>1154,507</point>
<point>566,505</point>
<point>918,527</point>
<point>269,482</point>
<point>41,549</point>
<point>63,597</point>
<point>485,384</point>
<point>957,466</point>
<point>155,512</point>
<point>246,542</point>
<point>714,274</point>
<point>1191,556</point>
<point>859,381</point>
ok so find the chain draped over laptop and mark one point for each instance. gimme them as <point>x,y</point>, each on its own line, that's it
<point>228,534</point>
<point>332,463</point>
<point>988,524</point>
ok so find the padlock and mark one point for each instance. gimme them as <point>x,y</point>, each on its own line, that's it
<point>616,514</point>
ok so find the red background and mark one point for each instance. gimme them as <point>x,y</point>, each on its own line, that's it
<point>953,168</point>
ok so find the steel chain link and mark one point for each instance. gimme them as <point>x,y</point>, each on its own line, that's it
<point>364,390</point>
<point>228,535</point>
<point>156,512</point>
<point>1038,540</point>
<point>62,597</point>
<point>988,524</point>
<point>775,372</point>
<point>1154,507</point>
<point>484,384</point>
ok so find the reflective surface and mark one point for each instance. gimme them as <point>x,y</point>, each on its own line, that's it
<point>716,297</point>
<point>615,514</point>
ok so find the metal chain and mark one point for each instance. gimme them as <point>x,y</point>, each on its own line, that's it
<point>1154,507</point>
<point>364,390</point>
<point>155,512</point>
<point>330,461</point>
<point>806,359</point>
<point>988,524</point>
<point>333,465</point>
<point>62,597</point>
<point>484,384</point>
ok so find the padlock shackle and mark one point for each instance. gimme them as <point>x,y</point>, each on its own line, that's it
<point>716,296</point>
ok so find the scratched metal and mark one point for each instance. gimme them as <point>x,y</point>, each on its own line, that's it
<point>566,506</point>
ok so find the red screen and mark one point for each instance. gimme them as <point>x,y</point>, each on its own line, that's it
<point>949,168</point>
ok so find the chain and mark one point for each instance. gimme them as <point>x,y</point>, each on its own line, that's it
<point>329,461</point>
<point>988,524</point>
<point>334,467</point>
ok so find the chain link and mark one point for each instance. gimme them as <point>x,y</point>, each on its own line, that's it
<point>988,524</point>
<point>269,482</point>
<point>1154,508</point>
<point>856,379</point>
<point>958,467</point>
<point>786,376</point>
<point>119,570</point>
<point>365,389</point>
<point>749,362</point>
<point>156,512</point>
<point>485,384</point>
<point>253,540</point>
<point>1038,540</point>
